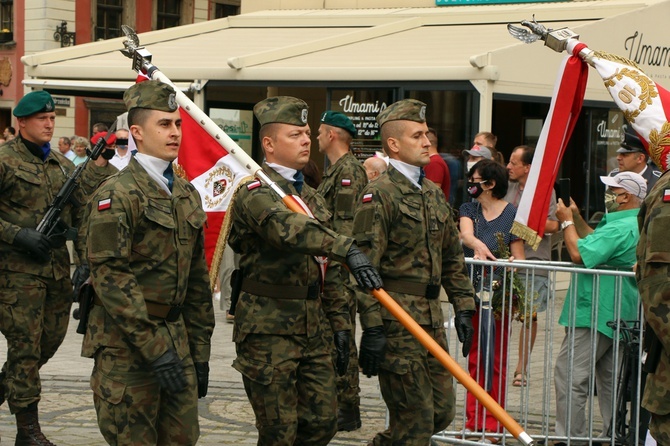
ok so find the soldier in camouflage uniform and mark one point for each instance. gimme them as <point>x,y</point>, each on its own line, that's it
<point>653,283</point>
<point>35,287</point>
<point>282,321</point>
<point>150,326</point>
<point>404,224</point>
<point>341,187</point>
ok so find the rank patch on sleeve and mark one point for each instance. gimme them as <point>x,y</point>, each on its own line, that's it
<point>666,196</point>
<point>253,185</point>
<point>367,198</point>
<point>346,182</point>
<point>104,204</point>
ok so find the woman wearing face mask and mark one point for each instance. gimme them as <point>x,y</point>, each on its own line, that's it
<point>480,220</point>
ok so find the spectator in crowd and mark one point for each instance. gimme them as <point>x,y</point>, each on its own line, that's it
<point>488,139</point>
<point>122,155</point>
<point>437,170</point>
<point>480,222</point>
<point>415,261</point>
<point>612,243</point>
<point>538,283</point>
<point>9,133</point>
<point>374,167</point>
<point>455,165</point>
<point>475,154</point>
<point>80,146</point>
<point>99,127</point>
<point>65,147</point>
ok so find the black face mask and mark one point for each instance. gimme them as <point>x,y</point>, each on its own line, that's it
<point>475,189</point>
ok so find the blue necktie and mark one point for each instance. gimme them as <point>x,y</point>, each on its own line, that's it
<point>169,175</point>
<point>299,180</point>
<point>422,175</point>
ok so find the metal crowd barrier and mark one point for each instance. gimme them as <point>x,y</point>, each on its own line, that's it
<point>534,405</point>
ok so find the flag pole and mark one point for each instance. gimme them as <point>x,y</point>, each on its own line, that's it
<point>142,64</point>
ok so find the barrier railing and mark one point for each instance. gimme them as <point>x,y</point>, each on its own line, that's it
<point>534,404</point>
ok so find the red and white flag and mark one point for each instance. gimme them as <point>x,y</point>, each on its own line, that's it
<point>566,103</point>
<point>216,175</point>
<point>644,103</point>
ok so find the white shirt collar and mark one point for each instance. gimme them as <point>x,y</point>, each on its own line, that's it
<point>286,172</point>
<point>155,168</point>
<point>412,173</point>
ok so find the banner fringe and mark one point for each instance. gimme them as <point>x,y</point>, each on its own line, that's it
<point>527,234</point>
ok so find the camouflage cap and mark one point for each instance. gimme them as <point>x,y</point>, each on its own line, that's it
<point>404,110</point>
<point>153,95</point>
<point>38,101</point>
<point>282,109</point>
<point>337,119</point>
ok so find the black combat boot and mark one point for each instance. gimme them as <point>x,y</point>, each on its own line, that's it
<point>28,428</point>
<point>348,418</point>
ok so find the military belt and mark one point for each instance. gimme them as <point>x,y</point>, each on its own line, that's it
<point>426,290</point>
<point>310,292</point>
<point>163,311</point>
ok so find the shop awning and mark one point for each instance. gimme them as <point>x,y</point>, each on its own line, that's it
<point>391,44</point>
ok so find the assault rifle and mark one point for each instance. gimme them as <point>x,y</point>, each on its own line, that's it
<point>51,225</point>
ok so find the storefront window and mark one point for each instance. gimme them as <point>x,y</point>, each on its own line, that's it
<point>238,124</point>
<point>362,107</point>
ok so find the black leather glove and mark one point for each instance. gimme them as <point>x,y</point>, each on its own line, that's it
<point>342,339</point>
<point>464,329</point>
<point>359,265</point>
<point>371,354</point>
<point>169,372</point>
<point>202,374</point>
<point>35,243</point>
<point>81,274</point>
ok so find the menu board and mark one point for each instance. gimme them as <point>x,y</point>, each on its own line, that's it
<point>362,107</point>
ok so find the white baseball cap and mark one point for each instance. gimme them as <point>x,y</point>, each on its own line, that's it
<point>632,182</point>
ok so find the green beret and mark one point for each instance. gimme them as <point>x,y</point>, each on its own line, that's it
<point>337,119</point>
<point>282,109</point>
<point>34,102</point>
<point>405,110</point>
<point>153,95</point>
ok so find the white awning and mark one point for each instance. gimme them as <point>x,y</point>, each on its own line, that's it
<point>469,43</point>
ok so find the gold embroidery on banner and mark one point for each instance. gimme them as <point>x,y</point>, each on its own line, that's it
<point>658,141</point>
<point>647,90</point>
<point>216,186</point>
<point>616,58</point>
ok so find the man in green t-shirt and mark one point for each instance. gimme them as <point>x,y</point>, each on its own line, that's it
<point>612,243</point>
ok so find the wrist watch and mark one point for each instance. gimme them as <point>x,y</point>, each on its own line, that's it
<point>566,223</point>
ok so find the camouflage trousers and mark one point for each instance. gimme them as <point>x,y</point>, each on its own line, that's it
<point>659,427</point>
<point>131,407</point>
<point>348,386</point>
<point>290,383</point>
<point>416,387</point>
<point>34,314</point>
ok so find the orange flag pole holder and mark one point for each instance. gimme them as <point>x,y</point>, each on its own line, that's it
<point>142,63</point>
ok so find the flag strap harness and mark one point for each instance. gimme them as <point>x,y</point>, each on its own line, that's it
<point>142,64</point>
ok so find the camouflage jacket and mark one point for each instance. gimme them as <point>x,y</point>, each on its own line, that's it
<point>341,187</point>
<point>276,247</point>
<point>409,235</point>
<point>28,185</point>
<point>146,246</point>
<point>653,277</point>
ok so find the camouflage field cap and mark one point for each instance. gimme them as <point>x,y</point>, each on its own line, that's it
<point>405,110</point>
<point>153,95</point>
<point>282,109</point>
<point>337,119</point>
<point>34,102</point>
